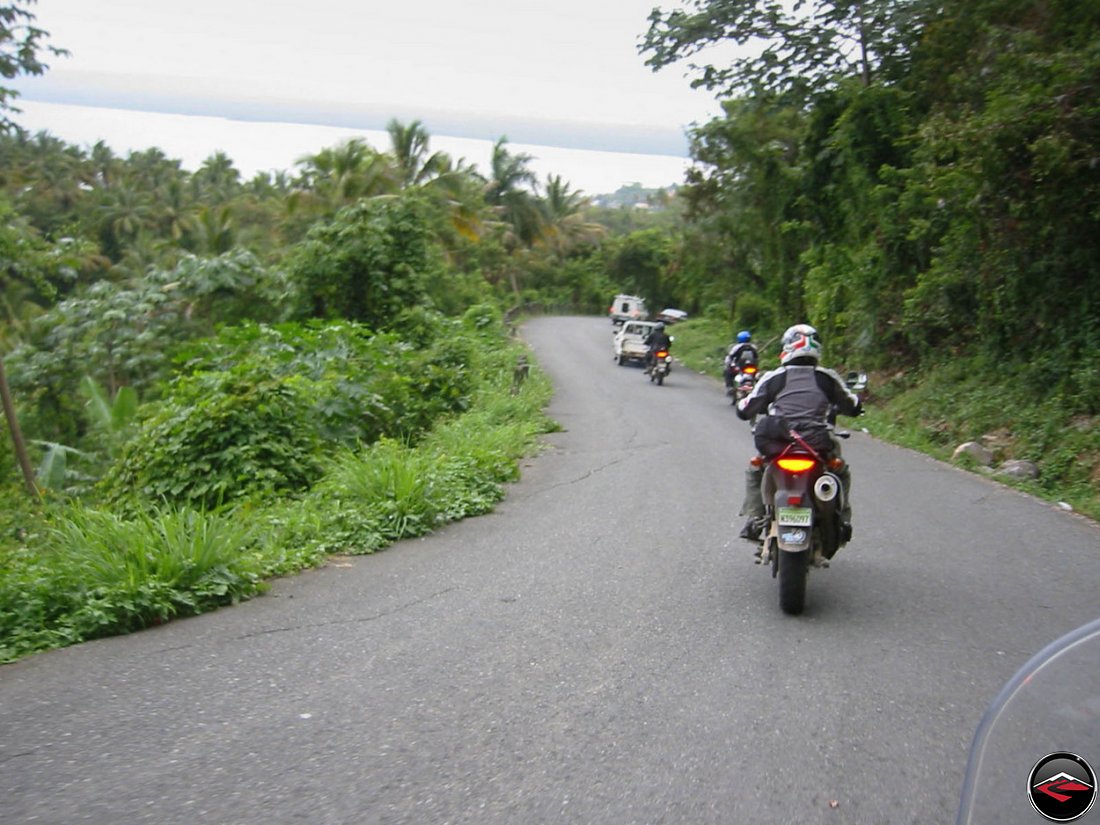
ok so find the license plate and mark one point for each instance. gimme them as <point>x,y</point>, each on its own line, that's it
<point>795,516</point>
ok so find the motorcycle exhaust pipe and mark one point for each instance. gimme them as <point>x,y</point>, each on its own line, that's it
<point>826,488</point>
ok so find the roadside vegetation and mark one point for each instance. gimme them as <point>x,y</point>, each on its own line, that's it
<point>1012,412</point>
<point>231,479</point>
<point>216,380</point>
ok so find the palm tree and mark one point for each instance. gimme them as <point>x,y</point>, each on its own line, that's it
<point>511,194</point>
<point>567,228</point>
<point>50,183</point>
<point>214,232</point>
<point>151,169</point>
<point>517,206</point>
<point>105,165</point>
<point>123,214</point>
<point>409,146</point>
<point>173,208</point>
<point>344,173</point>
<point>217,180</point>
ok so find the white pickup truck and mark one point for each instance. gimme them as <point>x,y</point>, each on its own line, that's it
<point>630,341</point>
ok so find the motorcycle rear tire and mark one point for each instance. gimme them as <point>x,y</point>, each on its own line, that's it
<point>793,568</point>
<point>660,380</point>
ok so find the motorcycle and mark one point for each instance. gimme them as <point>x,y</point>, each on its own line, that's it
<point>662,366</point>
<point>744,382</point>
<point>803,498</point>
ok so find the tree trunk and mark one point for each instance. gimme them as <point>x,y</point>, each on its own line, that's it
<point>16,435</point>
<point>865,61</point>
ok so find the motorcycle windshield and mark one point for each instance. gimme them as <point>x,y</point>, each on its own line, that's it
<point>1037,747</point>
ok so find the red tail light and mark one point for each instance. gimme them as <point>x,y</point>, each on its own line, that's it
<point>795,464</point>
<point>749,370</point>
<point>662,353</point>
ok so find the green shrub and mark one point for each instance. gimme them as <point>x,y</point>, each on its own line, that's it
<point>361,385</point>
<point>368,263</point>
<point>219,437</point>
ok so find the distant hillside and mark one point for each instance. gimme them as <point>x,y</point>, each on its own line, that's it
<point>636,195</point>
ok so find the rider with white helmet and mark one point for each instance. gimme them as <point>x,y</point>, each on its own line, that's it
<point>800,395</point>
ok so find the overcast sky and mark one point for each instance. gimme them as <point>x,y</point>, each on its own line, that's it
<point>563,73</point>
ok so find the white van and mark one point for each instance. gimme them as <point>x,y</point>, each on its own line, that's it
<point>627,308</point>
<point>629,342</point>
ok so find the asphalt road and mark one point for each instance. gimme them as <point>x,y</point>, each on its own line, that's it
<point>600,649</point>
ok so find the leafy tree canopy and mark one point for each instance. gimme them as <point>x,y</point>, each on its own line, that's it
<point>21,43</point>
<point>783,48</point>
<point>367,264</point>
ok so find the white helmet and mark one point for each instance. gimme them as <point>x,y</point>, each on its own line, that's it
<point>800,341</point>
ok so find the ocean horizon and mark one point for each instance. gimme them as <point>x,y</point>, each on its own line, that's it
<point>271,146</point>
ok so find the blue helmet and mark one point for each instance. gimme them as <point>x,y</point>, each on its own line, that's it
<point>744,336</point>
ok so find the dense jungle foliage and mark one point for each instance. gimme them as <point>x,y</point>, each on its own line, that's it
<point>212,374</point>
<point>921,182</point>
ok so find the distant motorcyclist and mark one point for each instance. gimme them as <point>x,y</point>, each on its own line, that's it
<point>741,354</point>
<point>800,395</point>
<point>657,340</point>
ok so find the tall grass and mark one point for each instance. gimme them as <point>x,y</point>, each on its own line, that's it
<point>391,490</point>
<point>198,554</point>
<point>393,483</point>
<point>97,573</point>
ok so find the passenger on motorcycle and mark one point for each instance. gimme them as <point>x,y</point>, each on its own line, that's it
<point>658,339</point>
<point>741,354</point>
<point>800,395</point>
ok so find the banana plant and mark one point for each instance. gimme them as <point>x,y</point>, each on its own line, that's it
<point>109,416</point>
<point>53,470</point>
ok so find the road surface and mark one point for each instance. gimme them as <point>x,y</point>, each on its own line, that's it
<point>601,649</point>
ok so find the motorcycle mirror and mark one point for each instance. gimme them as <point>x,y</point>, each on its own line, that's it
<point>856,381</point>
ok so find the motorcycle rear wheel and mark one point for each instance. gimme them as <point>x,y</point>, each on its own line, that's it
<point>792,581</point>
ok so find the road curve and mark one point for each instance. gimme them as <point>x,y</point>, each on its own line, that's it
<point>598,650</point>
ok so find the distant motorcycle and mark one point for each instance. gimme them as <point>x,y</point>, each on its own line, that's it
<point>741,374</point>
<point>662,366</point>
<point>744,382</point>
<point>802,503</point>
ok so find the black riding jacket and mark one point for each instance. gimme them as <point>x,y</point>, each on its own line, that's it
<point>658,340</point>
<point>801,395</point>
